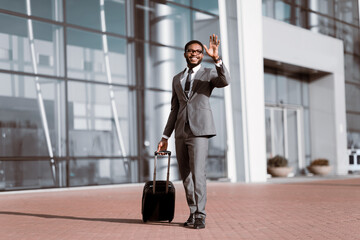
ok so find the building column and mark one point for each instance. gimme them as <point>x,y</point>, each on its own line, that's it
<point>249,19</point>
<point>242,48</point>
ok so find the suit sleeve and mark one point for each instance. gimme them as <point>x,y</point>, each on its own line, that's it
<point>221,77</point>
<point>170,125</point>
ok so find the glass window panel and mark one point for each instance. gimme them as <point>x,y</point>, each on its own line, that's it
<point>322,6</point>
<point>92,129</point>
<point>21,119</point>
<point>15,51</point>
<point>282,11</point>
<point>349,35</point>
<point>206,5</point>
<point>305,94</point>
<point>86,57</point>
<point>353,136</point>
<point>352,97</point>
<point>205,25</point>
<point>216,168</point>
<point>292,139</point>
<point>98,172</point>
<point>282,89</point>
<point>50,9</point>
<point>353,122</point>
<point>164,24</point>
<point>270,88</point>
<point>268,121</point>
<point>268,8</point>
<point>217,144</point>
<point>86,13</point>
<point>279,135</point>
<point>286,12</point>
<point>294,91</point>
<point>307,135</point>
<point>286,90</point>
<point>16,174</point>
<point>347,11</point>
<point>184,2</point>
<point>157,110</point>
<point>322,24</point>
<point>16,6</point>
<point>162,65</point>
<point>352,68</point>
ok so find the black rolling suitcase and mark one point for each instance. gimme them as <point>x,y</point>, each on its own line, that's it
<point>158,200</point>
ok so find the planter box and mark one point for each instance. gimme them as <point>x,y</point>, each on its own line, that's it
<point>319,170</point>
<point>279,171</point>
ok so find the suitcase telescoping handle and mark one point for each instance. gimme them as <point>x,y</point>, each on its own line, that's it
<point>168,169</point>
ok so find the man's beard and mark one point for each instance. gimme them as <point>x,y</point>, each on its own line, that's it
<point>191,65</point>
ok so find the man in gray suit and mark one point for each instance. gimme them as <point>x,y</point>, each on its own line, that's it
<point>192,119</point>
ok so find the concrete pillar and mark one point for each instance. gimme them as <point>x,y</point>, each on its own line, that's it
<point>249,16</point>
<point>241,34</point>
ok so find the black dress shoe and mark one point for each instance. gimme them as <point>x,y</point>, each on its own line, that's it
<point>190,220</point>
<point>199,223</point>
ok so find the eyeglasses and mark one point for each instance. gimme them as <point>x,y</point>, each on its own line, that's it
<point>194,51</point>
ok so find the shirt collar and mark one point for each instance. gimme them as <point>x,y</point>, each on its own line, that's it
<point>195,69</point>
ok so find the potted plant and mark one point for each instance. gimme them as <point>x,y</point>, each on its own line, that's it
<point>278,166</point>
<point>320,167</point>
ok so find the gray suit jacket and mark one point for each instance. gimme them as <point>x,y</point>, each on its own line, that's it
<point>197,106</point>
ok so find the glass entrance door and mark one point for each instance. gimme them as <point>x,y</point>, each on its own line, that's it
<point>284,131</point>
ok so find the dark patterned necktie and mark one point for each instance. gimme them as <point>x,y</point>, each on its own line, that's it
<point>187,83</point>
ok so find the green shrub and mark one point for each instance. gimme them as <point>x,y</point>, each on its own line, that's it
<point>277,161</point>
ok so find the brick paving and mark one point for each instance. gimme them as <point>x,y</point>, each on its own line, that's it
<point>321,209</point>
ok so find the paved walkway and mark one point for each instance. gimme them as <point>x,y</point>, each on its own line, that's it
<point>322,209</point>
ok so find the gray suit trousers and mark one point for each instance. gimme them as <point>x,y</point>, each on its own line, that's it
<point>191,153</point>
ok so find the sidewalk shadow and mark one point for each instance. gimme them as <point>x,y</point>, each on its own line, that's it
<point>111,220</point>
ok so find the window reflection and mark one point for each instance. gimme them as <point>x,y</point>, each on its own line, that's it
<point>22,130</point>
<point>322,24</point>
<point>85,57</point>
<point>15,46</point>
<point>16,174</point>
<point>86,13</point>
<point>98,171</point>
<point>93,129</point>
<point>352,98</point>
<point>281,89</point>
<point>51,9</point>
<point>106,125</point>
<point>352,68</point>
<point>165,24</point>
<point>162,65</point>
<point>206,5</point>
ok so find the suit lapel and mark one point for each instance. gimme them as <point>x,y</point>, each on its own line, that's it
<point>178,83</point>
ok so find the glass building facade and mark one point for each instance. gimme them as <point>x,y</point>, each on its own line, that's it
<point>85,85</point>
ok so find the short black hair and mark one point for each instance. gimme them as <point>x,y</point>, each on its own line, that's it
<point>192,42</point>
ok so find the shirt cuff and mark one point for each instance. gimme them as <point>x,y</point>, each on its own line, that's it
<point>219,63</point>
<point>164,136</point>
